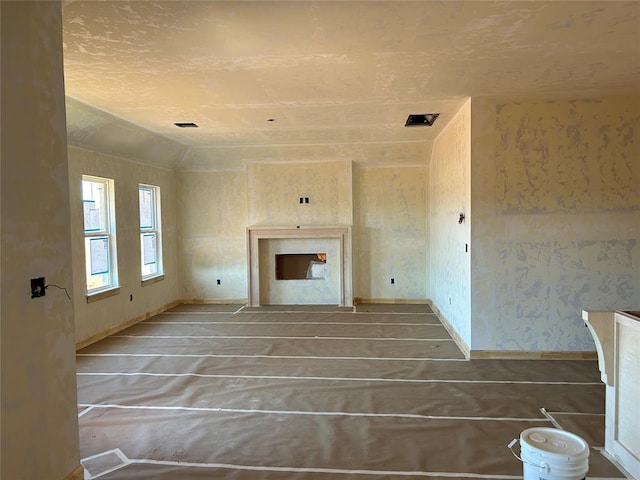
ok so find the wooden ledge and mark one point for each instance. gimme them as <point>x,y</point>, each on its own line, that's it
<point>94,297</point>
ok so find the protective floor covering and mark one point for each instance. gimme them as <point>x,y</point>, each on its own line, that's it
<point>318,393</point>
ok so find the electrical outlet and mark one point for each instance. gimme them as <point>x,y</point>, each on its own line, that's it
<point>393,281</point>
<point>219,282</point>
<point>37,287</point>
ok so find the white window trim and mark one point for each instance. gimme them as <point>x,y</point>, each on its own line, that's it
<point>155,229</point>
<point>110,232</point>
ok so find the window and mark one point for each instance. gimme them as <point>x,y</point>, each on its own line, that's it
<point>99,234</point>
<point>150,232</point>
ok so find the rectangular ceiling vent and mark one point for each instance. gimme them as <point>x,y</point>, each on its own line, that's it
<point>186,125</point>
<point>421,120</point>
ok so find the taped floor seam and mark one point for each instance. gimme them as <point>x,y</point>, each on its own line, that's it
<point>336,379</point>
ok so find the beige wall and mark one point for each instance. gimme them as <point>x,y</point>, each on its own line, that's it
<point>450,195</point>
<point>273,191</point>
<point>556,218</point>
<point>38,399</point>
<point>390,233</point>
<point>212,226</point>
<point>216,208</point>
<point>387,206</point>
<point>102,315</point>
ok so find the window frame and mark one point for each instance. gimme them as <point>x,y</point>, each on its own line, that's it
<point>106,230</point>
<point>153,230</point>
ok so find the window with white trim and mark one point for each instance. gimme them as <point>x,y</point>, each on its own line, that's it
<point>150,231</point>
<point>99,234</point>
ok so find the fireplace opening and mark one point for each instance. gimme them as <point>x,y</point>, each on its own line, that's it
<point>301,266</point>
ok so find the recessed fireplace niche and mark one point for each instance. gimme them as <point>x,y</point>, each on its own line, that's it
<point>265,243</point>
<point>301,266</point>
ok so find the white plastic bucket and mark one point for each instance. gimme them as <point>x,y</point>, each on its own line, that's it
<point>552,454</point>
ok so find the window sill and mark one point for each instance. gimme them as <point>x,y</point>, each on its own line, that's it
<point>94,297</point>
<point>152,280</point>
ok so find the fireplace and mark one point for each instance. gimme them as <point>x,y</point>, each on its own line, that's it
<point>266,243</point>
<point>301,266</point>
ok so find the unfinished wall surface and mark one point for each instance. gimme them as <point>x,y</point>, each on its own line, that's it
<point>390,233</point>
<point>38,404</point>
<point>102,315</point>
<point>556,222</point>
<point>450,195</point>
<point>273,191</point>
<point>390,218</point>
<point>212,225</point>
<point>352,149</point>
<point>299,292</point>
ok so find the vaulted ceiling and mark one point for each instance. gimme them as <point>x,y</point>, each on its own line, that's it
<point>311,80</point>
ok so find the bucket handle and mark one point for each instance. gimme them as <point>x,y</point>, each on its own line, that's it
<point>544,466</point>
<point>510,447</point>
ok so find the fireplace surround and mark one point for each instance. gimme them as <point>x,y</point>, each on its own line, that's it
<point>257,234</point>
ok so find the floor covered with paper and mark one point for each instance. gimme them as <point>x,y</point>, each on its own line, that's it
<point>318,393</point>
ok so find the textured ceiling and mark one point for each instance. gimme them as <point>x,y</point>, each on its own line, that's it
<point>338,78</point>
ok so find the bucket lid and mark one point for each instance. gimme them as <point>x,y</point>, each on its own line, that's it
<point>551,441</point>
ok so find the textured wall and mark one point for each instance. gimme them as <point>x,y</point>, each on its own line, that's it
<point>97,130</point>
<point>38,391</point>
<point>556,199</point>
<point>389,205</point>
<point>212,225</point>
<point>274,189</point>
<point>96,317</point>
<point>377,153</point>
<point>449,195</point>
<point>390,232</point>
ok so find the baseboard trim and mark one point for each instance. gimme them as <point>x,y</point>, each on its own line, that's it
<point>391,301</point>
<point>214,301</point>
<point>462,345</point>
<point>533,355</point>
<point>77,474</point>
<point>121,326</point>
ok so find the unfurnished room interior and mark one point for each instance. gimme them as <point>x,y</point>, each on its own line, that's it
<point>319,240</point>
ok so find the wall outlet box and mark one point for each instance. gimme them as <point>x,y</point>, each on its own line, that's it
<point>37,287</point>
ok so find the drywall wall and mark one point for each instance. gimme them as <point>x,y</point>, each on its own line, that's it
<point>93,129</point>
<point>212,225</point>
<point>390,232</point>
<point>38,399</point>
<point>134,300</point>
<point>556,218</point>
<point>299,292</point>
<point>273,191</point>
<point>412,151</point>
<point>389,204</point>
<point>216,207</point>
<point>450,250</point>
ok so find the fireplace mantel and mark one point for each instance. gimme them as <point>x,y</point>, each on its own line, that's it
<point>255,233</point>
